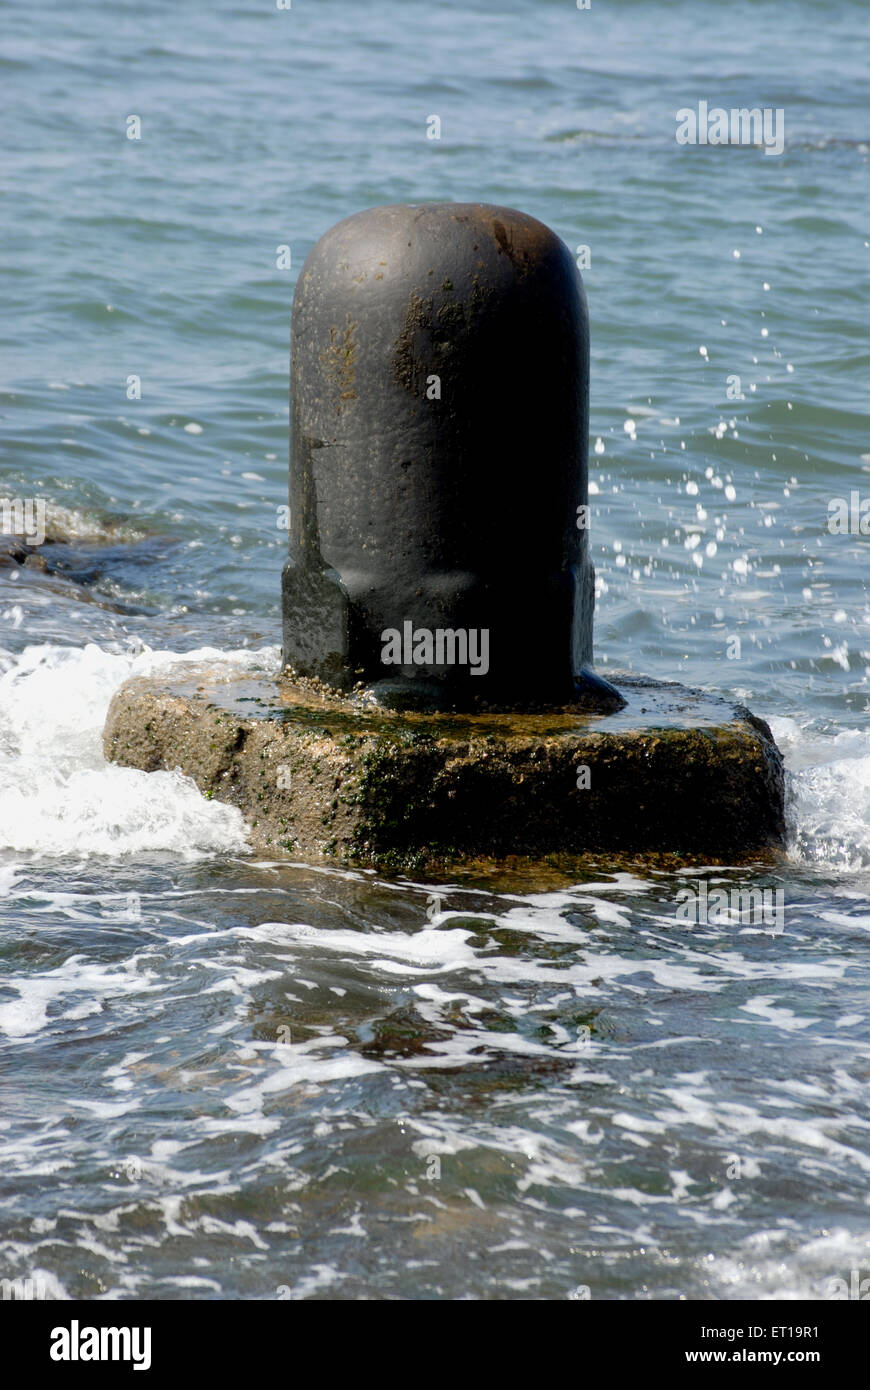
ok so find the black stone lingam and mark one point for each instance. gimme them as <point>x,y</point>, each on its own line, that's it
<point>438,485</point>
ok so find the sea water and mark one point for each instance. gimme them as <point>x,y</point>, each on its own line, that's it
<point>227,1076</point>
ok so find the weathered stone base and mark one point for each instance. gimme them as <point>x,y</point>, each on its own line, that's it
<point>676,772</point>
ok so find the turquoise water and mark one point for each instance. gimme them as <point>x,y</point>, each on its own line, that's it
<point>222,1077</point>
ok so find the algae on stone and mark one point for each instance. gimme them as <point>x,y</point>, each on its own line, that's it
<point>677,773</point>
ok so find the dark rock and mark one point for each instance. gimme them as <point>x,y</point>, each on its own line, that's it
<point>439,399</point>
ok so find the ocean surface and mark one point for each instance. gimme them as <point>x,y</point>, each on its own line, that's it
<point>226,1077</point>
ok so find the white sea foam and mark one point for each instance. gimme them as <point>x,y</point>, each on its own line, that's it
<point>38,994</point>
<point>829,800</point>
<point>58,793</point>
<point>763,1267</point>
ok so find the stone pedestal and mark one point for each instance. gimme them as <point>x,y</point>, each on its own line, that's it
<point>675,772</point>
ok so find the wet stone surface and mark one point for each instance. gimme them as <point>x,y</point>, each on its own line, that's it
<point>325,778</point>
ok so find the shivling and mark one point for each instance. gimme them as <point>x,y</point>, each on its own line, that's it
<point>439,561</point>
